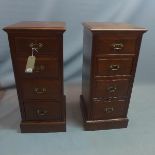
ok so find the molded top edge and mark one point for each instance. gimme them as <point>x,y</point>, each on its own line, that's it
<point>36,25</point>
<point>105,26</point>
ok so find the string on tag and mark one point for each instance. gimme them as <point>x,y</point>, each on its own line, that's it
<point>34,50</point>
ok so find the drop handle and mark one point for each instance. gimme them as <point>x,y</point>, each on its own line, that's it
<point>42,112</point>
<point>36,45</point>
<point>109,110</point>
<point>117,47</point>
<point>39,68</point>
<point>114,67</point>
<point>40,90</point>
<point>107,100</point>
<point>112,89</point>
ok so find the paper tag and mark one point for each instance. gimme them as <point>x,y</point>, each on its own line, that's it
<point>30,64</point>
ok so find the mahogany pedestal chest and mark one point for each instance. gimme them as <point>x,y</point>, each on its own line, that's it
<point>40,91</point>
<point>110,54</point>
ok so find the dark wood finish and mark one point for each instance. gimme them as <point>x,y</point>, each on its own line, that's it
<point>39,110</point>
<point>113,66</point>
<point>109,109</point>
<point>42,126</point>
<point>100,124</point>
<point>110,58</point>
<point>105,44</point>
<point>36,26</point>
<point>41,93</point>
<point>42,67</point>
<point>23,44</point>
<point>40,89</point>
<point>110,88</point>
<point>102,26</point>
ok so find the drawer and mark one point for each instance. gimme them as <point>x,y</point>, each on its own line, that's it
<point>113,44</point>
<point>113,66</point>
<point>111,88</point>
<point>44,45</point>
<point>40,89</point>
<point>44,67</point>
<point>42,110</point>
<point>109,109</point>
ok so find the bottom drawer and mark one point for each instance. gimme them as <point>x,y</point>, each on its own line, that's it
<point>109,108</point>
<point>43,110</point>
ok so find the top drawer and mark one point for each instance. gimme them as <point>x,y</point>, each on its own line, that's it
<point>44,45</point>
<point>115,44</point>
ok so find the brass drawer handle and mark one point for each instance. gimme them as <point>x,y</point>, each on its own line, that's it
<point>117,47</point>
<point>38,68</point>
<point>103,100</point>
<point>114,67</point>
<point>112,89</point>
<point>107,100</point>
<point>36,45</point>
<point>42,112</point>
<point>109,110</point>
<point>40,90</point>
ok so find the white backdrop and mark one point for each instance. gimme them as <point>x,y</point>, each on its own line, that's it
<point>74,12</point>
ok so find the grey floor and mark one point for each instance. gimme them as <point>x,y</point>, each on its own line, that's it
<point>137,139</point>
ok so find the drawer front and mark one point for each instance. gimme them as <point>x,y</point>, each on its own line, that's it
<point>43,45</point>
<point>109,109</point>
<point>44,67</point>
<point>111,88</point>
<point>41,89</point>
<point>113,66</point>
<point>111,44</point>
<point>42,110</point>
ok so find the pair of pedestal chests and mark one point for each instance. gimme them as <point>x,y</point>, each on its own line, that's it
<point>110,54</point>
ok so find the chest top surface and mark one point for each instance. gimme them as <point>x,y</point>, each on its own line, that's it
<point>36,25</point>
<point>104,26</point>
